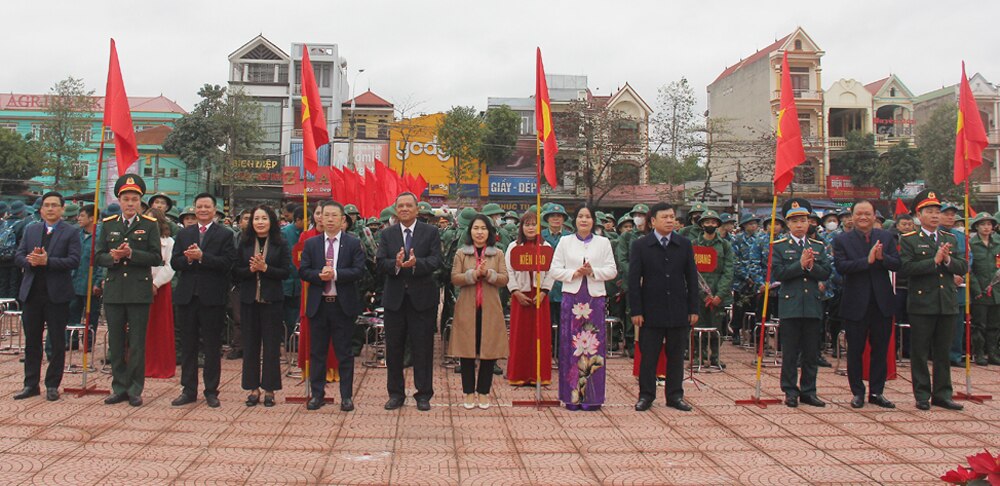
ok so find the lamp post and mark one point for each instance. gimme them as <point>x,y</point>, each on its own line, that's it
<point>350,135</point>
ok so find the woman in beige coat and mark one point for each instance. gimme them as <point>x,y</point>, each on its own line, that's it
<point>479,329</point>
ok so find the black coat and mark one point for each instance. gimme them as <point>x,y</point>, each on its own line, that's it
<point>278,260</point>
<point>350,269</point>
<point>417,282</point>
<point>663,283</point>
<point>210,276</point>
<point>861,280</point>
<point>64,257</point>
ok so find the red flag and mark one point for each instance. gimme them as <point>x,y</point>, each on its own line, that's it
<point>789,152</point>
<point>350,192</point>
<point>337,185</point>
<point>970,135</point>
<point>386,184</point>
<point>972,212</point>
<point>118,115</point>
<point>314,134</point>
<point>374,195</point>
<point>401,186</point>
<point>543,122</point>
<point>420,185</point>
<point>901,207</point>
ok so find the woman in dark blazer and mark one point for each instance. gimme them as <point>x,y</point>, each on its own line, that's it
<point>261,266</point>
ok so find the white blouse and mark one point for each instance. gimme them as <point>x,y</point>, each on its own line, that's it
<point>570,255</point>
<point>524,281</point>
<point>164,273</point>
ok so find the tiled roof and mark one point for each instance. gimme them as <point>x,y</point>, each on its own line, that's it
<point>877,85</point>
<point>754,58</point>
<point>370,100</point>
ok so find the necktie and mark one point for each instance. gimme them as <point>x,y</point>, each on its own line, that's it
<point>201,235</point>
<point>407,244</point>
<point>331,259</point>
<point>663,242</point>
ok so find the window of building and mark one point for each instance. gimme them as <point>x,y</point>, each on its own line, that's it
<point>260,73</point>
<point>527,123</point>
<point>383,130</point>
<point>798,44</point>
<point>175,173</point>
<point>359,130</point>
<point>892,91</point>
<point>283,74</point>
<point>800,80</point>
<point>79,169</point>
<point>147,172</point>
<point>322,71</point>
<point>10,126</point>
<point>625,173</point>
<point>806,172</point>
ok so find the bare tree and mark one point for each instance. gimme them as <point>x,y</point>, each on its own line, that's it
<point>675,119</point>
<point>405,128</point>
<point>66,132</point>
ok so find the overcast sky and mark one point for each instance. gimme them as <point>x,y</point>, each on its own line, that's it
<point>447,53</point>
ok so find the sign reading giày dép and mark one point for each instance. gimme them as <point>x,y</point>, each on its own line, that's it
<point>512,185</point>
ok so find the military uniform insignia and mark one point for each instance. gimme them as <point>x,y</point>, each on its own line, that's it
<point>109,218</point>
<point>140,232</point>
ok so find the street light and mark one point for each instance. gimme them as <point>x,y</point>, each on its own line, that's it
<point>350,136</point>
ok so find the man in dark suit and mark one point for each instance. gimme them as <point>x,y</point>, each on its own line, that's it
<point>409,253</point>
<point>864,257</point>
<point>663,302</point>
<point>203,257</point>
<point>332,263</point>
<point>48,254</point>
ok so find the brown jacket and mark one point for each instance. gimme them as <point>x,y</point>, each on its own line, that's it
<point>463,330</point>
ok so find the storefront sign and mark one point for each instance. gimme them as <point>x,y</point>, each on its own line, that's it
<point>265,169</point>
<point>512,185</point>
<point>841,187</point>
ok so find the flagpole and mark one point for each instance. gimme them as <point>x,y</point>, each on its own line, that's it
<point>84,390</point>
<point>305,285</point>
<point>756,399</point>
<point>968,302</point>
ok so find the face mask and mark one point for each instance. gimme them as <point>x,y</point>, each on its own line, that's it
<point>496,221</point>
<point>831,226</point>
<point>392,220</point>
<point>709,230</point>
<point>638,220</point>
<point>960,229</point>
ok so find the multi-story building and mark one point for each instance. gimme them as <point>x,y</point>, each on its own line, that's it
<point>271,76</point>
<point>987,177</point>
<point>153,118</point>
<point>744,101</point>
<point>364,134</point>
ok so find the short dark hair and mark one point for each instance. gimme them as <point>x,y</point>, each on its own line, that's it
<point>862,201</point>
<point>291,207</point>
<point>660,206</point>
<point>326,204</point>
<point>407,193</point>
<point>89,209</point>
<point>62,201</point>
<point>491,238</point>
<point>903,217</point>
<point>206,195</point>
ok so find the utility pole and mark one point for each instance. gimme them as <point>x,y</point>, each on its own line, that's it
<point>350,135</point>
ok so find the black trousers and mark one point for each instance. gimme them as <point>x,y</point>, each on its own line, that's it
<point>875,329</point>
<point>262,328</point>
<point>481,382</point>
<point>651,341</point>
<point>201,323</point>
<point>330,322</point>
<point>931,338</point>
<point>799,339</point>
<point>417,326</point>
<point>39,313</point>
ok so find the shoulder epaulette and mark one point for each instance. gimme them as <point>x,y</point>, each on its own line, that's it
<point>779,241</point>
<point>149,217</point>
<point>109,218</point>
<point>817,241</point>
<point>910,233</point>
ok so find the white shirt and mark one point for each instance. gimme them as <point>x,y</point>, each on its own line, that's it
<point>569,256</point>
<point>207,226</point>
<point>327,241</point>
<point>523,281</point>
<point>163,274</point>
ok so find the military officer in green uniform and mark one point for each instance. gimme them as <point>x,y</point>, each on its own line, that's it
<point>720,281</point>
<point>800,264</point>
<point>129,246</point>
<point>930,260</point>
<point>985,247</point>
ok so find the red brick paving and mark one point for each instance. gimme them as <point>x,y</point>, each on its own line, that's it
<point>81,441</point>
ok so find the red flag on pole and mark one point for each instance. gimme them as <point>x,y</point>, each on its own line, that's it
<point>420,185</point>
<point>350,192</point>
<point>543,123</point>
<point>118,115</point>
<point>789,152</point>
<point>374,194</point>
<point>901,207</point>
<point>970,135</point>
<point>314,134</point>
<point>337,185</point>
<point>386,183</point>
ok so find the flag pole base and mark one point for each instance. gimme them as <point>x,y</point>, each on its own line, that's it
<point>971,398</point>
<point>86,390</point>
<point>759,402</point>
<point>540,404</point>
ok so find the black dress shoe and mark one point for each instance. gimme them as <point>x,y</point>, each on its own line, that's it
<point>791,401</point>
<point>135,401</point>
<point>858,401</point>
<point>718,364</point>
<point>643,404</point>
<point>234,354</point>
<point>423,405</point>
<point>184,399</point>
<point>679,404</point>
<point>212,401</point>
<point>458,369</point>
<point>51,394</point>
<point>394,403</point>
<point>949,404</point>
<point>823,363</point>
<point>27,392</point>
<point>253,399</point>
<point>497,370</point>
<point>924,405</point>
<point>812,400</point>
<point>314,403</point>
<point>269,400</point>
<point>347,405</point>
<point>881,401</point>
<point>113,399</point>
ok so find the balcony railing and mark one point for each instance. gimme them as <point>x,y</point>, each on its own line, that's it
<point>801,94</point>
<point>994,136</point>
<point>991,188</point>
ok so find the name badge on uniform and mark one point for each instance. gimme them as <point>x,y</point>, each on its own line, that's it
<point>998,261</point>
<point>140,232</point>
<point>114,233</point>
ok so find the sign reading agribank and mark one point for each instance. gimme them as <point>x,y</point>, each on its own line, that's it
<point>512,185</point>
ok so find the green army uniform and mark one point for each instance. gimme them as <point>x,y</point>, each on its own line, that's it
<point>932,305</point>
<point>70,212</point>
<point>720,281</point>
<point>692,230</point>
<point>985,299</point>
<point>451,240</point>
<point>619,306</point>
<point>800,308</point>
<point>128,293</point>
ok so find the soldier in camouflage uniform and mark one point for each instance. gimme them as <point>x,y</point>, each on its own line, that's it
<point>748,274</point>
<point>720,281</point>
